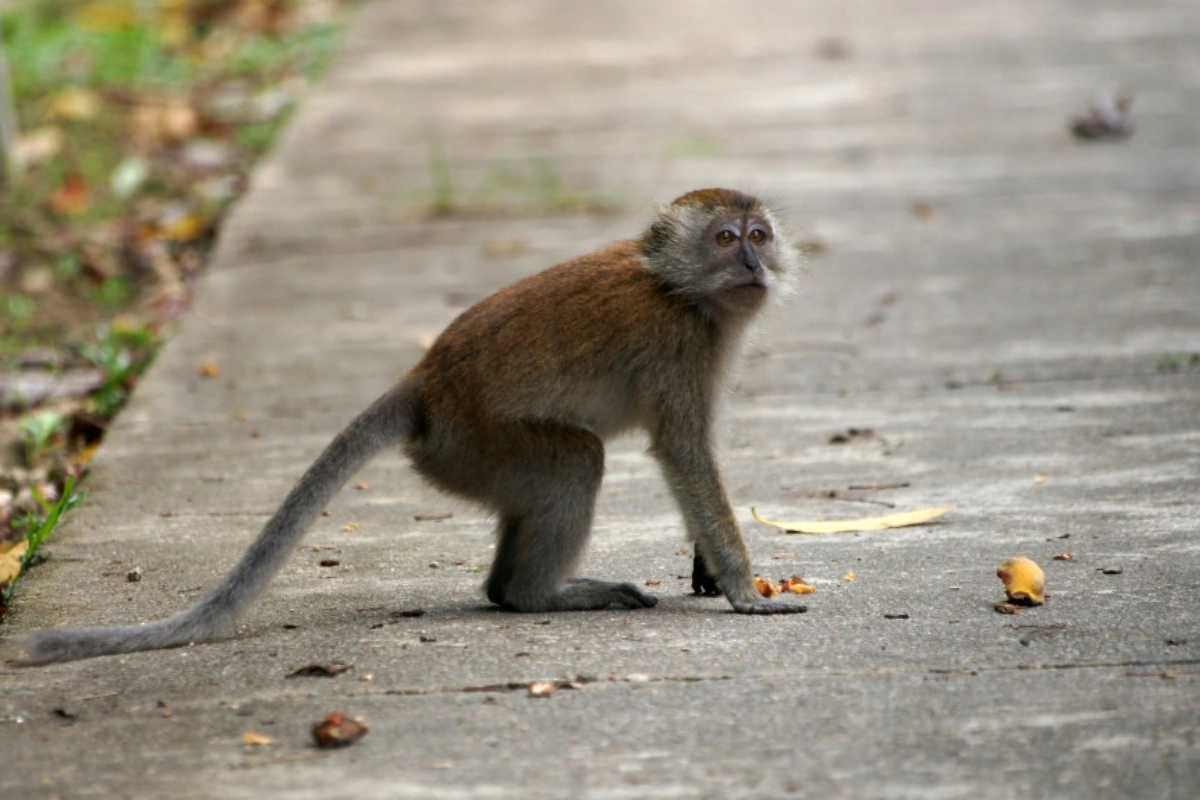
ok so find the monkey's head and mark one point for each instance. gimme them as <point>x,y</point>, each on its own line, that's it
<point>720,249</point>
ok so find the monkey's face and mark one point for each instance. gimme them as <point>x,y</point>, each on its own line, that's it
<point>739,260</point>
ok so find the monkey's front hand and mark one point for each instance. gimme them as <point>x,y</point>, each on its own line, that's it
<point>704,583</point>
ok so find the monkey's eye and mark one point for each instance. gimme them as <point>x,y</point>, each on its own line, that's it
<point>725,238</point>
<point>758,236</point>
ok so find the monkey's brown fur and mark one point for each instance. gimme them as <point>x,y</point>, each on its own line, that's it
<point>512,403</point>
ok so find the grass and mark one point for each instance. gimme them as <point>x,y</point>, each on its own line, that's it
<point>123,355</point>
<point>37,527</point>
<point>121,89</point>
<point>129,112</point>
<point>1176,362</point>
<point>40,431</point>
<point>534,187</point>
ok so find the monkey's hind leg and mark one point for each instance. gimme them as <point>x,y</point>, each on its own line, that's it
<point>549,488</point>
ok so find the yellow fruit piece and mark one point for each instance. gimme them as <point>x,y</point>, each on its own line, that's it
<point>765,587</point>
<point>256,739</point>
<point>1024,581</point>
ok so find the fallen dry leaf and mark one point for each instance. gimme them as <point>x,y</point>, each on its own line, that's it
<point>10,560</point>
<point>1024,581</point>
<point>899,520</point>
<point>71,197</point>
<point>541,688</point>
<point>1039,478</point>
<point>362,485</point>
<point>32,388</point>
<point>73,104</point>
<point>210,369</point>
<point>255,739</point>
<point>107,16</point>
<point>38,145</point>
<point>338,730</point>
<point>924,209</point>
<point>1064,557</point>
<point>182,227</point>
<point>85,456</point>
<point>350,527</point>
<point>849,576</point>
<point>154,124</point>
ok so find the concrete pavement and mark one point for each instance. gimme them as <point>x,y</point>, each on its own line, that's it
<point>1011,313</point>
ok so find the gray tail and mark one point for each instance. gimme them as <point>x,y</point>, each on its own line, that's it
<point>388,421</point>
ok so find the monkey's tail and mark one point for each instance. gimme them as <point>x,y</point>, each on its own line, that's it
<point>388,421</point>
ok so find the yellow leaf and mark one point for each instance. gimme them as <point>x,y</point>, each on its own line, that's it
<point>73,103</point>
<point>71,197</point>
<point>107,16</point>
<point>38,145</point>
<point>85,456</point>
<point>174,25</point>
<point>901,520</point>
<point>10,561</point>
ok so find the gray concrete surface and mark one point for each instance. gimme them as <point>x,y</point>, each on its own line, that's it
<point>1023,325</point>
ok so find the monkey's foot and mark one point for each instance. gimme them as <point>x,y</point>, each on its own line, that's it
<point>589,594</point>
<point>767,607</point>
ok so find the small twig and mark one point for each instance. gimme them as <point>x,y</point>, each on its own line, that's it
<point>8,127</point>
<point>883,503</point>
<point>876,487</point>
<point>93,697</point>
<point>263,762</point>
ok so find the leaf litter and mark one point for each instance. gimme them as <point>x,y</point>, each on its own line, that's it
<point>902,519</point>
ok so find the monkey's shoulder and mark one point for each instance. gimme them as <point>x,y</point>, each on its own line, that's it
<point>617,271</point>
<point>592,298</point>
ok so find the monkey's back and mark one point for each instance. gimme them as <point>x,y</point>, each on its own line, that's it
<point>585,343</point>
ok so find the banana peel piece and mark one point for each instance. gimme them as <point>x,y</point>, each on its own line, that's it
<point>901,520</point>
<point>1024,581</point>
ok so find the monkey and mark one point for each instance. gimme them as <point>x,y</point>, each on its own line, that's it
<point>510,408</point>
<point>704,583</point>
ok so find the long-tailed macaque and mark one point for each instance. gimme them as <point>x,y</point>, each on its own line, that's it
<point>512,404</point>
